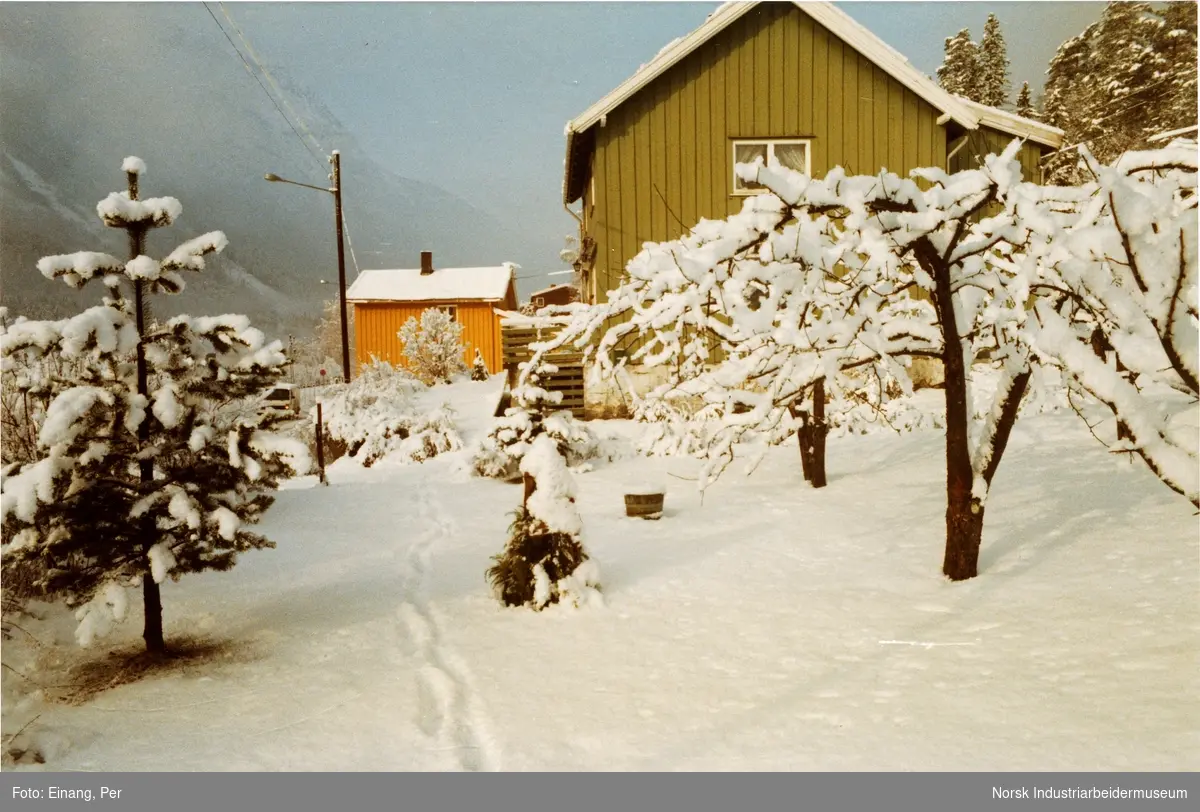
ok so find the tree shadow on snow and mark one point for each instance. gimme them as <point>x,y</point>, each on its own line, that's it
<point>84,679</point>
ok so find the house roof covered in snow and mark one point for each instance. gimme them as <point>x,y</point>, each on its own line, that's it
<point>550,289</point>
<point>488,284</point>
<point>1013,124</point>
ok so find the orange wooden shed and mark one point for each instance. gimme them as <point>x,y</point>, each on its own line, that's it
<point>384,300</point>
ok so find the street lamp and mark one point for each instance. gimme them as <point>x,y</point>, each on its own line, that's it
<point>336,191</point>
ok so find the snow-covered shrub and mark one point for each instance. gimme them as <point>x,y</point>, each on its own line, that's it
<point>133,479</point>
<point>544,561</point>
<point>379,413</point>
<point>479,370</point>
<point>433,346</point>
<point>498,455</point>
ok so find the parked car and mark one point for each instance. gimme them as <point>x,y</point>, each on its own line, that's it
<point>282,398</point>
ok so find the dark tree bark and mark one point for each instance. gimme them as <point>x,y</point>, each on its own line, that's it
<point>817,434</point>
<point>151,596</point>
<point>811,436</point>
<point>1102,348</point>
<point>964,515</point>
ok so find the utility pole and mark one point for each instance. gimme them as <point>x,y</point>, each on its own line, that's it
<point>336,160</point>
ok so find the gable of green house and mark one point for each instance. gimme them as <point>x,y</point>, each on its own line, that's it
<point>801,80</point>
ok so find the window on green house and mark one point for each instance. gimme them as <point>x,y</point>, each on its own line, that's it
<point>793,153</point>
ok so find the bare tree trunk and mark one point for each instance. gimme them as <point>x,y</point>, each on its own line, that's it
<point>964,515</point>
<point>811,436</point>
<point>151,596</point>
<point>152,601</point>
<point>817,433</point>
<point>804,440</point>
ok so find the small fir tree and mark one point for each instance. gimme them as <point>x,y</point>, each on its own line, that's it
<point>958,73</point>
<point>544,561</point>
<point>136,478</point>
<point>433,346</point>
<point>992,85</point>
<point>479,370</point>
<point>1025,103</point>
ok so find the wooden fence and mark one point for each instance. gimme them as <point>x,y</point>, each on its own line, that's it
<point>517,335</point>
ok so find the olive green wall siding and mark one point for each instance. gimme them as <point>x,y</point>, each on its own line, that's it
<point>985,141</point>
<point>663,160</point>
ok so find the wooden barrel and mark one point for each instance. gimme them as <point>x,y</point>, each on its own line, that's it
<point>644,505</point>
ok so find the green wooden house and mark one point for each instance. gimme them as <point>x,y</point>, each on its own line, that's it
<point>801,84</point>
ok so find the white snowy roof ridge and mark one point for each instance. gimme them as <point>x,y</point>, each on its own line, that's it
<point>1011,123</point>
<point>486,284</point>
<point>836,21</point>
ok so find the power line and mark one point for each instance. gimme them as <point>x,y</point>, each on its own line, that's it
<point>250,70</point>
<point>299,118</point>
<point>271,79</point>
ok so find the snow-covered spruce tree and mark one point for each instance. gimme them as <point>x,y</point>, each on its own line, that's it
<point>479,370</point>
<point>1129,76</point>
<point>1176,44</point>
<point>1025,102</point>
<point>433,346</point>
<point>992,84</point>
<point>544,561</point>
<point>1126,268</point>
<point>534,411</point>
<point>959,71</point>
<point>133,480</point>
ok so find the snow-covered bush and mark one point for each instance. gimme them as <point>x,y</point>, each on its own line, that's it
<point>133,480</point>
<point>479,370</point>
<point>433,346</point>
<point>379,413</point>
<point>498,455</point>
<point>544,561</point>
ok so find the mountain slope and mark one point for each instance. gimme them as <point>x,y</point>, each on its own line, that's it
<point>84,86</point>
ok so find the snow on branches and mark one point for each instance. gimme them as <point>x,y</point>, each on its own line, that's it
<point>433,346</point>
<point>1120,315</point>
<point>134,473</point>
<point>544,561</point>
<point>840,281</point>
<point>378,414</point>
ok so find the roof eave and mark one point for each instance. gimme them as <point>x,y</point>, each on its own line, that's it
<point>834,20</point>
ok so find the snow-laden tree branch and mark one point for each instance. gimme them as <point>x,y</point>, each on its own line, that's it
<point>1126,270</point>
<point>841,280</point>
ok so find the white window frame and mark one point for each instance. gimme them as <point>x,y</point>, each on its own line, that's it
<point>769,143</point>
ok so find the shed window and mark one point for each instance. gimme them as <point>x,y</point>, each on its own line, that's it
<point>449,310</point>
<point>794,153</point>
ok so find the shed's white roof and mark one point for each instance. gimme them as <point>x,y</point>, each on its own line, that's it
<point>1013,124</point>
<point>443,285</point>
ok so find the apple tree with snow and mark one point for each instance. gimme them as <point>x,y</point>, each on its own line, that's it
<point>840,282</point>
<point>138,476</point>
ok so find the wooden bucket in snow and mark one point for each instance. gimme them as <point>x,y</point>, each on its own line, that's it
<point>644,505</point>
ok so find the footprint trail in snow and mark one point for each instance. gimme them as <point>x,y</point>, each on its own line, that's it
<point>450,710</point>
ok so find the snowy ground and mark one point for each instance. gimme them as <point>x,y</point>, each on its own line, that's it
<point>772,627</point>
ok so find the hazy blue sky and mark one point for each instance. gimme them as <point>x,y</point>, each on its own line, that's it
<point>472,97</point>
